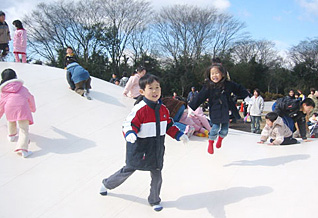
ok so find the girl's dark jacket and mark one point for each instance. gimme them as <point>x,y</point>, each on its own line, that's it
<point>220,102</point>
<point>150,122</point>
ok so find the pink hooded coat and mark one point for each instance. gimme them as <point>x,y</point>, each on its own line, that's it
<point>132,86</point>
<point>20,41</point>
<point>16,101</point>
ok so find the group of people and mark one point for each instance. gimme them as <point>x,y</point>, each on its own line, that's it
<point>122,81</point>
<point>152,118</point>
<point>287,111</point>
<point>19,39</point>
<point>149,120</point>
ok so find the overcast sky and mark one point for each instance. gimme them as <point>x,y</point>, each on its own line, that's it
<point>285,22</point>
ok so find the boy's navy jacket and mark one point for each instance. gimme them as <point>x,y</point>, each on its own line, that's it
<point>150,122</point>
<point>77,72</point>
<point>219,100</point>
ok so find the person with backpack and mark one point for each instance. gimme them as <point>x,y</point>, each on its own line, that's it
<point>294,111</point>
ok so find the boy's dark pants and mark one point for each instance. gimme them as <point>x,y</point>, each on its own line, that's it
<point>120,176</point>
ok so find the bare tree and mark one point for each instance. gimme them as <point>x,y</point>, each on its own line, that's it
<point>141,43</point>
<point>305,51</point>
<point>228,30</point>
<point>184,30</point>
<point>53,26</point>
<point>305,58</point>
<point>261,51</point>
<point>119,19</point>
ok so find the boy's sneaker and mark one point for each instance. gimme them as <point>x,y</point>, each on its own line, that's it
<point>11,138</point>
<point>157,207</point>
<point>26,154</point>
<point>103,190</point>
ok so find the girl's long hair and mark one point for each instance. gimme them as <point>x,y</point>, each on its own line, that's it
<point>17,24</point>
<point>208,80</point>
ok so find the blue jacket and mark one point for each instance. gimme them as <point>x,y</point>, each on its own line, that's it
<point>77,72</point>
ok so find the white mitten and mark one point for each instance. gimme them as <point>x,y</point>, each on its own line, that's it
<point>131,138</point>
<point>184,138</point>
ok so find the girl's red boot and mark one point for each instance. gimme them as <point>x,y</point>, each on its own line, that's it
<point>219,142</point>
<point>210,148</point>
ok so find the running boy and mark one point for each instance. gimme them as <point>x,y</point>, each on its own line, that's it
<point>144,130</point>
<point>277,131</point>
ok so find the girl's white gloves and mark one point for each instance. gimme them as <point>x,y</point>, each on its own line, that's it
<point>131,138</point>
<point>184,138</point>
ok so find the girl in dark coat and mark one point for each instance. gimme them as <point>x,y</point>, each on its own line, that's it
<point>218,90</point>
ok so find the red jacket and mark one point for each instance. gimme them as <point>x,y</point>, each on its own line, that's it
<point>150,122</point>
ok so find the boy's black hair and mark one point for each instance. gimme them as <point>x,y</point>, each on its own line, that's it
<point>70,48</point>
<point>308,102</point>
<point>272,116</point>
<point>147,79</point>
<point>17,24</point>
<point>7,74</point>
<point>2,13</point>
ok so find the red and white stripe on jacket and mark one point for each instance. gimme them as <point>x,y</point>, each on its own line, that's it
<point>142,122</point>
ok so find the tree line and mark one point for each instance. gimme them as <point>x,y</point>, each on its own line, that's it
<point>176,43</point>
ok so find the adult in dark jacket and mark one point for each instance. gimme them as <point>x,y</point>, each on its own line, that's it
<point>79,79</point>
<point>218,90</point>
<point>4,36</point>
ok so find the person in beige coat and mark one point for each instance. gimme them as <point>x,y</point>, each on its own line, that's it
<point>277,131</point>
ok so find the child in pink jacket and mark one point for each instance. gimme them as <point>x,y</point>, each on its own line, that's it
<point>132,86</point>
<point>19,42</point>
<point>17,104</point>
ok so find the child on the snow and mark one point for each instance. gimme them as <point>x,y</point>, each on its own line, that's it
<point>198,120</point>
<point>132,86</point>
<point>19,42</point>
<point>218,90</point>
<point>277,131</point>
<point>144,130</point>
<point>79,79</point>
<point>17,103</point>
<point>294,111</point>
